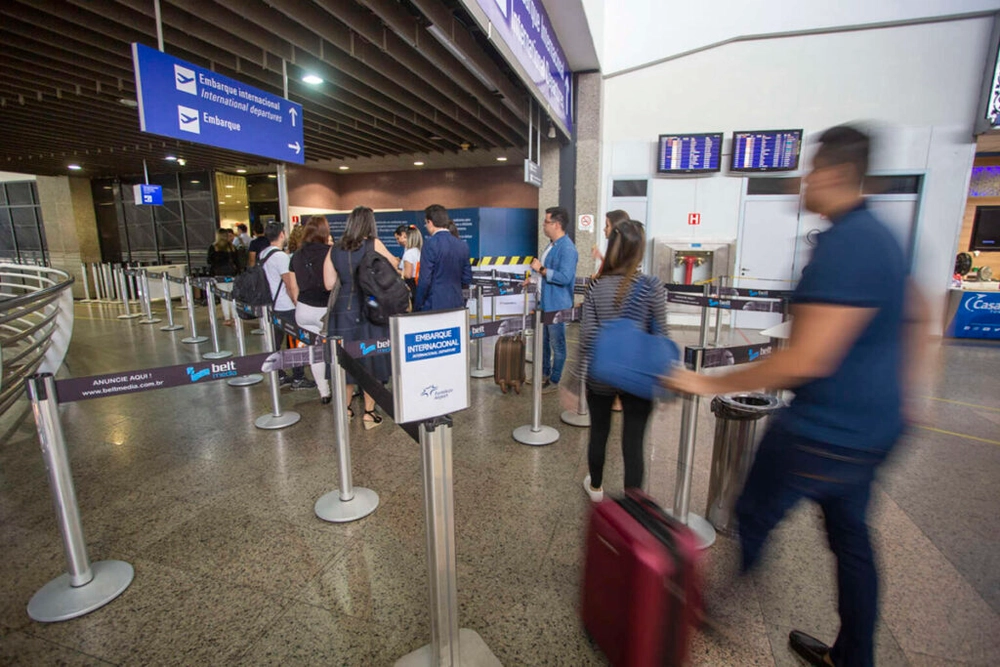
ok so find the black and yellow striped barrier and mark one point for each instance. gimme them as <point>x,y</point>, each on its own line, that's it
<point>502,260</point>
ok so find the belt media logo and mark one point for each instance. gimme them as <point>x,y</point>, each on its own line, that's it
<point>217,371</point>
<point>367,349</point>
<point>197,375</point>
<point>185,81</point>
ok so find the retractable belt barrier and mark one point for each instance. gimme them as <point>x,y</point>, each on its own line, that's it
<point>725,302</point>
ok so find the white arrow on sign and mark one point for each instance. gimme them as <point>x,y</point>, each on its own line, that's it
<point>294,113</point>
<point>295,147</point>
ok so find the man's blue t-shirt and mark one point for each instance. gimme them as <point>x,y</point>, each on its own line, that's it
<point>857,262</point>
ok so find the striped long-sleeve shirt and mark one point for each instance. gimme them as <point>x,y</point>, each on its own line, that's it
<point>599,306</point>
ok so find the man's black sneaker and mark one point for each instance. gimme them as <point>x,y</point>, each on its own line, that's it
<point>284,380</point>
<point>303,383</point>
<point>810,649</point>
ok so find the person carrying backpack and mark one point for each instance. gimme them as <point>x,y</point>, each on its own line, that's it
<point>360,247</point>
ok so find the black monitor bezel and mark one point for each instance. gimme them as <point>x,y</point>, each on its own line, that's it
<point>757,170</point>
<point>975,229</point>
<point>659,144</point>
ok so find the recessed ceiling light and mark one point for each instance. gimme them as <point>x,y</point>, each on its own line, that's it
<point>222,202</point>
<point>181,161</point>
<point>501,159</point>
<point>435,137</point>
<point>343,167</point>
<point>311,79</point>
<point>170,158</point>
<point>272,175</point>
<point>132,104</point>
<point>228,196</point>
<point>241,171</point>
<point>418,163</point>
<point>195,182</point>
<point>74,167</point>
<point>108,187</point>
<point>230,186</point>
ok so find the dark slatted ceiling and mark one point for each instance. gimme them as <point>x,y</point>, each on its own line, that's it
<point>390,87</point>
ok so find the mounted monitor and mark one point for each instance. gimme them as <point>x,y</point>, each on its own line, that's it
<point>986,229</point>
<point>766,150</point>
<point>689,153</point>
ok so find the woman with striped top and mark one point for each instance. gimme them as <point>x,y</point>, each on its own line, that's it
<point>605,300</point>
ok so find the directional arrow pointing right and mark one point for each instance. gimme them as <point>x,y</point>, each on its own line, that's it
<point>295,147</point>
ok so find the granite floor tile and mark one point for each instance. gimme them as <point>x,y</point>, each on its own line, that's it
<point>29,559</point>
<point>168,616</point>
<point>921,660</point>
<point>18,648</point>
<point>887,651</point>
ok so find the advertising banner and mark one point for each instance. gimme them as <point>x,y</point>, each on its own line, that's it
<point>977,316</point>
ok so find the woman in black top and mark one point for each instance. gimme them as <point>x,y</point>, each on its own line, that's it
<point>313,271</point>
<point>223,263</point>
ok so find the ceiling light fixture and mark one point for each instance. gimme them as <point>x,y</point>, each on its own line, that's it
<point>241,171</point>
<point>228,196</point>
<point>130,103</point>
<point>418,163</point>
<point>170,158</point>
<point>501,159</point>
<point>272,175</point>
<point>181,161</point>
<point>311,79</point>
<point>343,167</point>
<point>74,167</point>
<point>195,182</point>
<point>230,186</point>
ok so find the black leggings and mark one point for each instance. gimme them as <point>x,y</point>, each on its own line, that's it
<point>636,414</point>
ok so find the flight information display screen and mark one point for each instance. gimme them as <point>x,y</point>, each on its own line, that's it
<point>689,153</point>
<point>766,150</point>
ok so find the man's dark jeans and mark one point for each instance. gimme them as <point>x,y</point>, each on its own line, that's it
<point>789,467</point>
<point>280,337</point>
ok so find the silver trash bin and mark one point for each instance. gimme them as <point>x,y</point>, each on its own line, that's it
<point>737,417</point>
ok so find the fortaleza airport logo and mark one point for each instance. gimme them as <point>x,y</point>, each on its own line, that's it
<point>216,371</point>
<point>436,393</point>
<point>983,302</point>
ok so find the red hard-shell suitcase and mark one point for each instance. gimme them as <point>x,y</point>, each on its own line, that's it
<point>508,362</point>
<point>641,587</point>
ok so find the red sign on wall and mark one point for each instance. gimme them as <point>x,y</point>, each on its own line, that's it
<point>295,219</point>
<point>694,218</point>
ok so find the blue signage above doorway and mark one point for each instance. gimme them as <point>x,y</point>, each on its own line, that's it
<point>184,101</point>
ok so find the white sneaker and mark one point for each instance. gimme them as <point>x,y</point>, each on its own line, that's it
<point>595,495</point>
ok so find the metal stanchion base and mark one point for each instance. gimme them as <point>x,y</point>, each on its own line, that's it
<point>574,418</point>
<point>545,435</point>
<point>271,422</point>
<point>58,601</point>
<point>473,652</point>
<point>151,320</point>
<point>481,373</point>
<point>245,380</point>
<point>176,327</point>
<point>331,508</point>
<point>130,317</point>
<point>192,340</point>
<point>221,354</point>
<point>256,332</point>
<point>702,529</point>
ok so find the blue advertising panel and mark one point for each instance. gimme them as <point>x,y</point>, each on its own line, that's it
<point>184,101</point>
<point>771,150</point>
<point>148,195</point>
<point>689,153</point>
<point>525,28</point>
<point>977,316</point>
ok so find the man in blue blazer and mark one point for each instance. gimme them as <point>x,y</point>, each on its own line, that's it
<point>557,269</point>
<point>444,264</point>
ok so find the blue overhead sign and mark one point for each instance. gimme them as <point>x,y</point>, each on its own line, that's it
<point>149,195</point>
<point>184,101</point>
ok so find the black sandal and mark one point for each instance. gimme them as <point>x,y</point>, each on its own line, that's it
<point>375,420</point>
<point>350,412</point>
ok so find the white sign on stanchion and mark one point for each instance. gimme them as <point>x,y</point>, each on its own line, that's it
<point>430,362</point>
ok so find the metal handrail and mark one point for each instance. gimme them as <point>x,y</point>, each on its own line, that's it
<point>36,323</point>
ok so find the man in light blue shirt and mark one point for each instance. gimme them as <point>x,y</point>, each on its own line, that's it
<point>557,268</point>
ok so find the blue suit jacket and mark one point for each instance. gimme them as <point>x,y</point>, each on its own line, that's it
<point>444,271</point>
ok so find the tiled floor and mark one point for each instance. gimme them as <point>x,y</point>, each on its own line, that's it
<point>232,566</point>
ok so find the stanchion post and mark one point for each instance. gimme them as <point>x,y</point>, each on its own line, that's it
<point>718,311</point>
<point>213,324</point>
<point>128,314</point>
<point>685,465</point>
<point>86,283</point>
<point>85,586</point>
<point>147,302</point>
<point>580,416</point>
<point>535,434</point>
<point>98,295</point>
<point>529,353</point>
<point>277,419</point>
<point>449,646</point>
<point>241,347</point>
<point>194,338</point>
<point>168,303</point>
<point>703,331</point>
<point>350,502</point>
<point>111,279</point>
<point>479,371</point>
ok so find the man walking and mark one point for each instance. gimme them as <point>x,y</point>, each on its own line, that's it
<point>444,264</point>
<point>845,361</point>
<point>557,268</point>
<point>285,293</point>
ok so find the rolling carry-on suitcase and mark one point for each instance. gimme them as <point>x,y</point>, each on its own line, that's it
<point>641,588</point>
<point>508,363</point>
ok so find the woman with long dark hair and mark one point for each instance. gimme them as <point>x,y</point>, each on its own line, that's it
<point>313,270</point>
<point>347,318</point>
<point>619,281</point>
<point>222,259</point>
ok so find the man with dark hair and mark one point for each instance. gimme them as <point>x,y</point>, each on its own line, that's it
<point>257,245</point>
<point>284,292</point>
<point>557,271</point>
<point>845,361</point>
<point>444,264</point>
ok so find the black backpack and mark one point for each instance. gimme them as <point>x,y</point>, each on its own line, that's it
<point>383,292</point>
<point>252,288</point>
